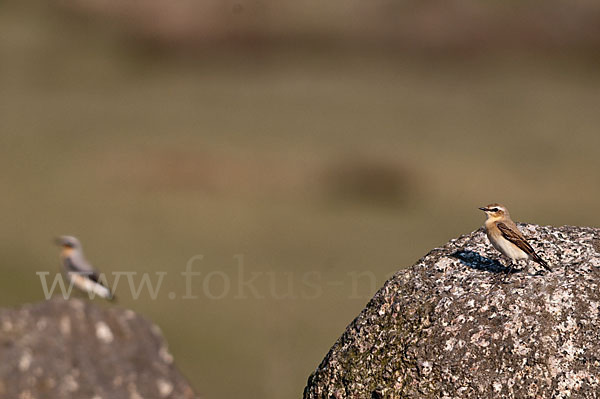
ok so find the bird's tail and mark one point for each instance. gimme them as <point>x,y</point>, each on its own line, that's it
<point>95,287</point>
<point>102,291</point>
<point>541,261</point>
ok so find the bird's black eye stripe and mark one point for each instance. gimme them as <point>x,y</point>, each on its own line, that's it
<point>494,209</point>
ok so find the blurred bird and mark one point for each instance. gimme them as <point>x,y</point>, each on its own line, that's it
<point>79,271</point>
<point>505,236</point>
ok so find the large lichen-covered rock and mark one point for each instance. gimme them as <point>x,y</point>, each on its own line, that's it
<point>75,349</point>
<point>456,326</point>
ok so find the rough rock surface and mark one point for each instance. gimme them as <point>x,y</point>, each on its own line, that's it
<point>75,349</point>
<point>455,326</point>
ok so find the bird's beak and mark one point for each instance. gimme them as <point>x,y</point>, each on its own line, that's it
<point>484,209</point>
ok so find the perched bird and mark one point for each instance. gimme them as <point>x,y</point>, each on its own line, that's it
<point>79,271</point>
<point>505,236</point>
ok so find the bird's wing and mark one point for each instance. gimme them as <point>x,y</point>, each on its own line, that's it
<point>81,267</point>
<point>85,276</point>
<point>514,235</point>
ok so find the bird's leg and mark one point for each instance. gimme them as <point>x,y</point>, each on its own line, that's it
<point>511,268</point>
<point>508,272</point>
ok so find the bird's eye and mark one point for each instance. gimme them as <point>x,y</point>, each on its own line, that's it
<point>494,209</point>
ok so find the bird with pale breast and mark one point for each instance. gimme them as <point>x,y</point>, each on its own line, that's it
<point>506,237</point>
<point>79,271</point>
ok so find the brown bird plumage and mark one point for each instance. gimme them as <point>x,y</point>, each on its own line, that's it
<point>506,237</point>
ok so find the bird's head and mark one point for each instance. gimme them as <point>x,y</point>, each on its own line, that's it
<point>495,211</point>
<point>68,242</point>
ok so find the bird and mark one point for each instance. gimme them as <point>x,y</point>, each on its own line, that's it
<point>79,271</point>
<point>506,237</point>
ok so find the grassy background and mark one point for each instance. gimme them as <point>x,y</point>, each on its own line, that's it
<point>323,161</point>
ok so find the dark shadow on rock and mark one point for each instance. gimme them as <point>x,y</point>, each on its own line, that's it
<point>475,261</point>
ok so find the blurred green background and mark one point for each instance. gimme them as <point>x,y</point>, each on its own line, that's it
<point>318,140</point>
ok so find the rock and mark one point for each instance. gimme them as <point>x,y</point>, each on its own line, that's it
<point>75,349</point>
<point>455,326</point>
